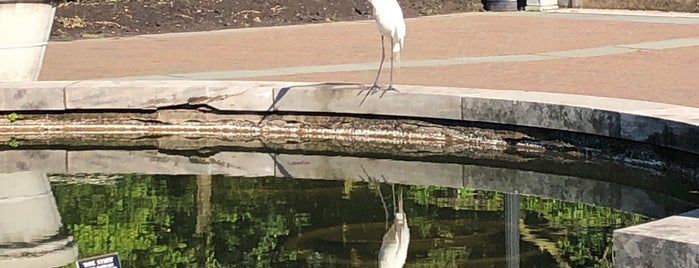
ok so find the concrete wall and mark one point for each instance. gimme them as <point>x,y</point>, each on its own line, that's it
<point>24,31</point>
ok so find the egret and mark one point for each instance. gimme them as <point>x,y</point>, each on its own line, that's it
<point>394,246</point>
<point>389,19</point>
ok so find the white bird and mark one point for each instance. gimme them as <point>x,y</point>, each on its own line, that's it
<point>394,246</point>
<point>389,19</point>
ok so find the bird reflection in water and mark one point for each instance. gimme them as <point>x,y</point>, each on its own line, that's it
<point>394,246</point>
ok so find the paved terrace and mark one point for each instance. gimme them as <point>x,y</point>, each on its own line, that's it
<point>651,58</point>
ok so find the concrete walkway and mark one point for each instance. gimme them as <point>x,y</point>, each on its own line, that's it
<point>622,55</point>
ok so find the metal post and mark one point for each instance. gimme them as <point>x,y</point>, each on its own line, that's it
<point>512,230</point>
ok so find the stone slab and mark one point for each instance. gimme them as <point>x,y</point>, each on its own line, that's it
<point>23,184</point>
<point>153,162</point>
<point>48,161</point>
<point>24,96</point>
<point>542,115</point>
<point>409,101</point>
<point>365,169</point>
<point>250,96</point>
<point>673,127</point>
<point>669,242</point>
<point>656,123</point>
<point>578,190</point>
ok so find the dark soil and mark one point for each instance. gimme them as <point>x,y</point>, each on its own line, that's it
<point>108,18</point>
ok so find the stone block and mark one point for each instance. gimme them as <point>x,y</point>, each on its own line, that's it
<point>365,169</point>
<point>48,161</point>
<point>675,127</point>
<point>414,101</point>
<point>669,242</point>
<point>572,189</point>
<point>153,162</point>
<point>221,95</point>
<point>541,115</point>
<point>29,96</point>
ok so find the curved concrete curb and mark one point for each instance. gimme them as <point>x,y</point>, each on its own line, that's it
<point>655,123</point>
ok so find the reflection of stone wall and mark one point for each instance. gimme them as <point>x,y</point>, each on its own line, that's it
<point>252,164</point>
<point>574,189</point>
<point>30,223</point>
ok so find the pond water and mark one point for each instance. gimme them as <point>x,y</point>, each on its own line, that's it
<point>296,216</point>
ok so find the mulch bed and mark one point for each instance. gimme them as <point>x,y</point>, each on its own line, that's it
<point>104,18</point>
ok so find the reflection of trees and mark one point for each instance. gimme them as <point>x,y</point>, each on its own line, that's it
<point>133,216</point>
<point>586,242</point>
<point>588,238</point>
<point>155,221</point>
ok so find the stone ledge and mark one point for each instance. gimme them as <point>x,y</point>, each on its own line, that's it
<point>661,124</point>
<point>668,242</point>
<point>655,123</point>
<point>28,96</point>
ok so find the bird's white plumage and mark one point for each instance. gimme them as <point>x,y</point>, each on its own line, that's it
<point>389,19</point>
<point>394,246</point>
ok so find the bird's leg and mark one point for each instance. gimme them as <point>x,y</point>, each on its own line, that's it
<point>375,86</point>
<point>390,83</point>
<point>393,194</point>
<point>385,208</point>
<point>383,58</point>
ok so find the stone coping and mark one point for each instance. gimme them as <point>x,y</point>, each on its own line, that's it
<point>668,242</point>
<point>660,124</point>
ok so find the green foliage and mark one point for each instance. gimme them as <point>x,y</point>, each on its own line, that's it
<point>130,217</point>
<point>588,238</point>
<point>153,221</point>
<point>12,117</point>
<point>14,143</point>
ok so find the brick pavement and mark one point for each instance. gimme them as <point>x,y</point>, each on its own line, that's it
<point>667,75</point>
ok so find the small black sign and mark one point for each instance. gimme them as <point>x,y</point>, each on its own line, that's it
<point>103,261</point>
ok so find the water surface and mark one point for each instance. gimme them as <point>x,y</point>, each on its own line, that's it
<point>164,209</point>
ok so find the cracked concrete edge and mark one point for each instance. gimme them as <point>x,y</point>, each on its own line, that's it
<point>660,124</point>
